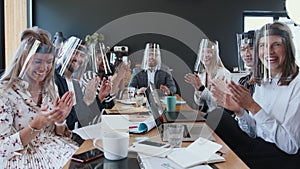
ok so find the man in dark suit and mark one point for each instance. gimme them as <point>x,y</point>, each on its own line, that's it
<point>87,106</point>
<point>151,72</point>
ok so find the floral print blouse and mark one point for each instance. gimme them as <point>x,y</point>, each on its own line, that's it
<point>46,150</point>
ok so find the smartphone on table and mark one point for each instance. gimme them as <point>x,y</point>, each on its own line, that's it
<point>153,143</point>
<point>87,156</point>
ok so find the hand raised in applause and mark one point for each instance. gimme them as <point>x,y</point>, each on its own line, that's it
<point>90,90</point>
<point>193,79</point>
<point>105,88</point>
<point>61,110</point>
<point>64,104</point>
<point>223,97</point>
<point>242,96</point>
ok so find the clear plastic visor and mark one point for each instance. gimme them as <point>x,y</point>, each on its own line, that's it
<point>271,56</point>
<point>38,63</point>
<point>208,55</point>
<point>245,53</point>
<point>152,57</point>
<point>73,58</point>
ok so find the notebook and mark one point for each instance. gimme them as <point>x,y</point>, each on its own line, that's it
<point>191,131</point>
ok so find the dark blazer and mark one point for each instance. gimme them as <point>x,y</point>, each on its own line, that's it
<point>160,78</point>
<point>244,81</point>
<point>80,112</point>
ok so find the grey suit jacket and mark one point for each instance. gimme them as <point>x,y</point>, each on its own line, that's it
<point>160,78</point>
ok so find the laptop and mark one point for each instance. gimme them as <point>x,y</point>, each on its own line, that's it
<point>177,116</point>
<point>183,116</point>
<point>191,132</point>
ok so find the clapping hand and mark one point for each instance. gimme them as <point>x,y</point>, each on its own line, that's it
<point>90,90</point>
<point>223,97</point>
<point>64,106</point>
<point>61,110</point>
<point>193,79</point>
<point>242,96</point>
<point>105,88</point>
<point>122,69</point>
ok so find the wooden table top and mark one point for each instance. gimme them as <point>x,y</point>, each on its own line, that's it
<point>232,160</point>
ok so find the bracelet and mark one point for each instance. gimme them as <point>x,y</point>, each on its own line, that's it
<point>201,88</point>
<point>33,129</point>
<point>60,124</point>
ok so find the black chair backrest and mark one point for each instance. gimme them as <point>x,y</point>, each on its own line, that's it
<point>1,72</point>
<point>177,87</point>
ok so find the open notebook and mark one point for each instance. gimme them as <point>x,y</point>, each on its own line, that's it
<point>201,151</point>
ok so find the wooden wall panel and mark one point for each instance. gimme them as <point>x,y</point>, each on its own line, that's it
<point>15,21</point>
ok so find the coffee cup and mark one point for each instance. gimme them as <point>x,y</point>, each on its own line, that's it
<point>170,103</point>
<point>114,145</point>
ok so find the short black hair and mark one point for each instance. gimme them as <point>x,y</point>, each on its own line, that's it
<point>248,35</point>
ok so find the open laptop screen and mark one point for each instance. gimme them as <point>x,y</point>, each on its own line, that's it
<point>154,104</point>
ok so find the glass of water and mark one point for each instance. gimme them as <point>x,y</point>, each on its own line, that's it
<point>175,135</point>
<point>139,100</point>
<point>131,93</point>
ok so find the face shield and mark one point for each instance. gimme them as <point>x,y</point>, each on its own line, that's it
<point>273,54</point>
<point>208,55</point>
<point>38,61</point>
<point>245,51</point>
<point>98,59</point>
<point>72,58</point>
<point>152,57</point>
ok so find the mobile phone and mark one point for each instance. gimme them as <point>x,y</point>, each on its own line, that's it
<point>87,156</point>
<point>153,143</point>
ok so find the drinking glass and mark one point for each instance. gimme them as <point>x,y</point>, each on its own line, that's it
<point>175,135</point>
<point>131,92</point>
<point>139,100</point>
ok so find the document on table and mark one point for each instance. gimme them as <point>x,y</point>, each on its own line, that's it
<point>108,123</point>
<point>141,123</point>
<point>89,132</point>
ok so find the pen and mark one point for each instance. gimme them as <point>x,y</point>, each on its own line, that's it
<point>132,127</point>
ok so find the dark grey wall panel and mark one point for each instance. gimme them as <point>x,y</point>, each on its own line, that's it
<point>218,19</point>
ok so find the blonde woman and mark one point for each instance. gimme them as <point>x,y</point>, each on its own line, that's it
<point>33,127</point>
<point>209,67</point>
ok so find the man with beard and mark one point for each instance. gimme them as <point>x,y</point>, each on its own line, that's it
<point>152,73</point>
<point>71,64</point>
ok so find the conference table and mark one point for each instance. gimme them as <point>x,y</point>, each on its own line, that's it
<point>231,159</point>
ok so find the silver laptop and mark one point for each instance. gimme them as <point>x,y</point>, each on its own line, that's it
<point>192,131</point>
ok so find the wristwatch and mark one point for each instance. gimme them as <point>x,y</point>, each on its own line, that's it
<point>201,88</point>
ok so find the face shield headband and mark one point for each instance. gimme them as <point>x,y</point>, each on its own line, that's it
<point>36,47</point>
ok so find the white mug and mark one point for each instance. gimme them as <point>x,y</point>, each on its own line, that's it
<point>115,145</point>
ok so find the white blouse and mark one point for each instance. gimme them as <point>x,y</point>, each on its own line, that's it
<point>279,119</point>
